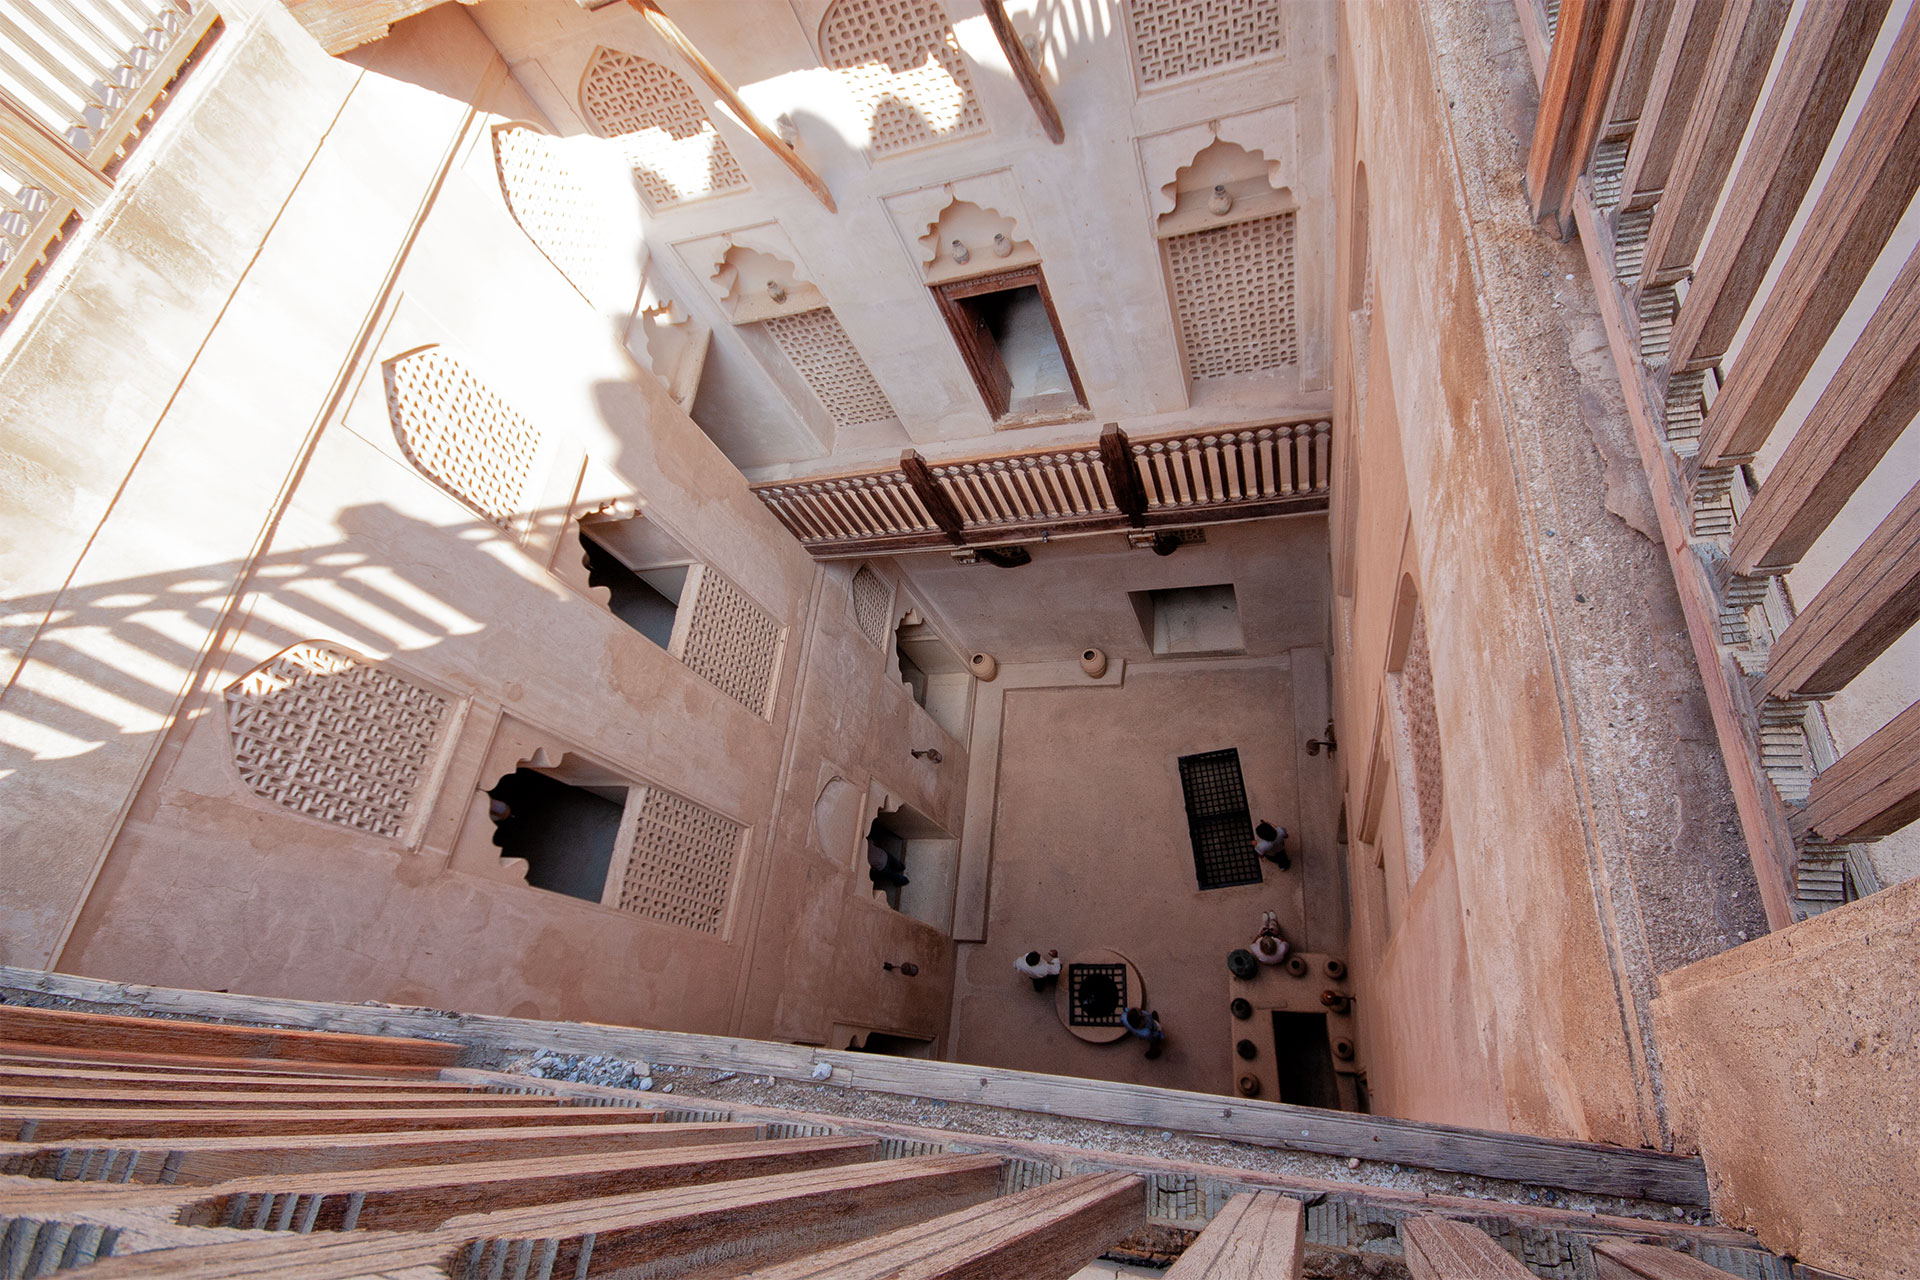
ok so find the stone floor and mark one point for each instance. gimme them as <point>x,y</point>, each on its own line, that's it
<point>1091,851</point>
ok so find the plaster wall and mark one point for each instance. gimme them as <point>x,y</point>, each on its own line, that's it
<point>1088,208</point>
<point>1795,1055</point>
<point>272,504</point>
<point>1583,842</point>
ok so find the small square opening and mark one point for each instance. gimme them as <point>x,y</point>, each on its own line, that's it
<point>1191,620</point>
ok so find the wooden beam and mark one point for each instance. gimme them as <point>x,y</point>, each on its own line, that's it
<point>1586,48</point>
<point>1684,49</point>
<point>64,1029</point>
<point>84,1094</point>
<point>75,1078</point>
<point>1631,1260</point>
<point>1823,60</point>
<point>1872,790</point>
<point>1046,1233</point>
<point>932,497</point>
<point>44,157</point>
<point>1440,1249</point>
<point>144,1063</point>
<point>1862,410</point>
<point>1743,47</point>
<point>1259,1236</point>
<point>1023,69</point>
<point>668,30</point>
<point>1642,56</point>
<point>1876,175</point>
<point>1116,459</point>
<point>192,1162</point>
<point>1861,611</point>
<point>72,1124</point>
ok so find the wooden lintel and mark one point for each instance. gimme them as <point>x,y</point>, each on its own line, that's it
<point>669,30</point>
<point>1023,70</point>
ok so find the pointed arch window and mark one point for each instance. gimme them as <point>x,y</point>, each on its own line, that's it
<point>675,152</point>
<point>901,62</point>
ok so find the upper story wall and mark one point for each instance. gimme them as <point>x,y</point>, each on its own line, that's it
<point>1139,103</point>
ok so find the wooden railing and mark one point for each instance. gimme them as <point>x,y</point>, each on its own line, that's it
<point>1684,179</point>
<point>1112,484</point>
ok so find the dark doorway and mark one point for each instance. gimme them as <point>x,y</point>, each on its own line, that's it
<point>566,833</point>
<point>1303,1057</point>
<point>631,598</point>
<point>1009,335</point>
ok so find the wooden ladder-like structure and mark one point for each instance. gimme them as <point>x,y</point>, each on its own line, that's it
<point>143,1147</point>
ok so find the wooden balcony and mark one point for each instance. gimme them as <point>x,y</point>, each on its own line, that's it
<point>1112,484</point>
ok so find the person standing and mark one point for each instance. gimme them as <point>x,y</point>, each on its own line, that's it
<point>1146,1025</point>
<point>1270,842</point>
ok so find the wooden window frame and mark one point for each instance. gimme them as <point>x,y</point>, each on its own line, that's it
<point>948,297</point>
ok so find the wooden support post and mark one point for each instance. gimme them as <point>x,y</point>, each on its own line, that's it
<point>1052,1230</point>
<point>1116,458</point>
<point>1875,176</point>
<point>667,29</point>
<point>1861,411</point>
<point>1631,1260</point>
<point>1742,50</point>
<point>1586,49</point>
<point>1438,1249</point>
<point>1823,60</point>
<point>915,468</point>
<point>1872,791</point>
<point>1685,46</point>
<point>44,157</point>
<point>1259,1236</point>
<point>1023,69</point>
<point>70,1124</point>
<point>61,1028</point>
<point>1862,610</point>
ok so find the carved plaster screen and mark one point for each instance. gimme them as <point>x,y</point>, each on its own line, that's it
<point>870,596</point>
<point>672,145</point>
<point>1233,293</point>
<point>681,868</point>
<point>731,641</point>
<point>900,61</point>
<point>460,434</point>
<point>826,358</point>
<point>1422,728</point>
<point>1173,38</point>
<point>550,202</point>
<point>330,736</point>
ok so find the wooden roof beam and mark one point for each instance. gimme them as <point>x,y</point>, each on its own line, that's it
<point>1023,70</point>
<point>670,31</point>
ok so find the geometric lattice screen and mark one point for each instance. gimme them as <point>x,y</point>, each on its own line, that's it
<point>460,434</point>
<point>731,641</point>
<point>681,868</point>
<point>664,129</point>
<point>825,356</point>
<point>551,203</point>
<point>1423,730</point>
<point>330,736</point>
<point>1233,293</point>
<point>900,61</point>
<point>870,596</point>
<point>1174,38</point>
<point>1218,824</point>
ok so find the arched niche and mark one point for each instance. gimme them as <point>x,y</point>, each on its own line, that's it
<point>1223,183</point>
<point>968,239</point>
<point>756,285</point>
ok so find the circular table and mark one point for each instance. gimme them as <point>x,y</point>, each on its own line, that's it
<point>1106,983</point>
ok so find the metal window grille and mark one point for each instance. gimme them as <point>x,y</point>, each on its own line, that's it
<point>1218,821</point>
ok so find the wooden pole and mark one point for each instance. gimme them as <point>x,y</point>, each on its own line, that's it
<point>669,31</point>
<point>1586,49</point>
<point>1023,70</point>
<point>915,468</point>
<point>1121,477</point>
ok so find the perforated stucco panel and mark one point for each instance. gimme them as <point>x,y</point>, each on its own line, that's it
<point>681,868</point>
<point>460,434</point>
<point>1174,38</point>
<point>870,604</point>
<point>733,642</point>
<point>1423,729</point>
<point>550,202</point>
<point>1233,293</point>
<point>672,145</point>
<point>900,61</point>
<point>326,735</point>
<point>820,349</point>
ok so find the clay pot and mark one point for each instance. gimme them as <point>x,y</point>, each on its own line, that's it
<point>983,666</point>
<point>1336,969</point>
<point>1343,1049</point>
<point>1249,1086</point>
<point>1093,662</point>
<point>1245,1049</point>
<point>1241,1008</point>
<point>1298,966</point>
<point>1241,964</point>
